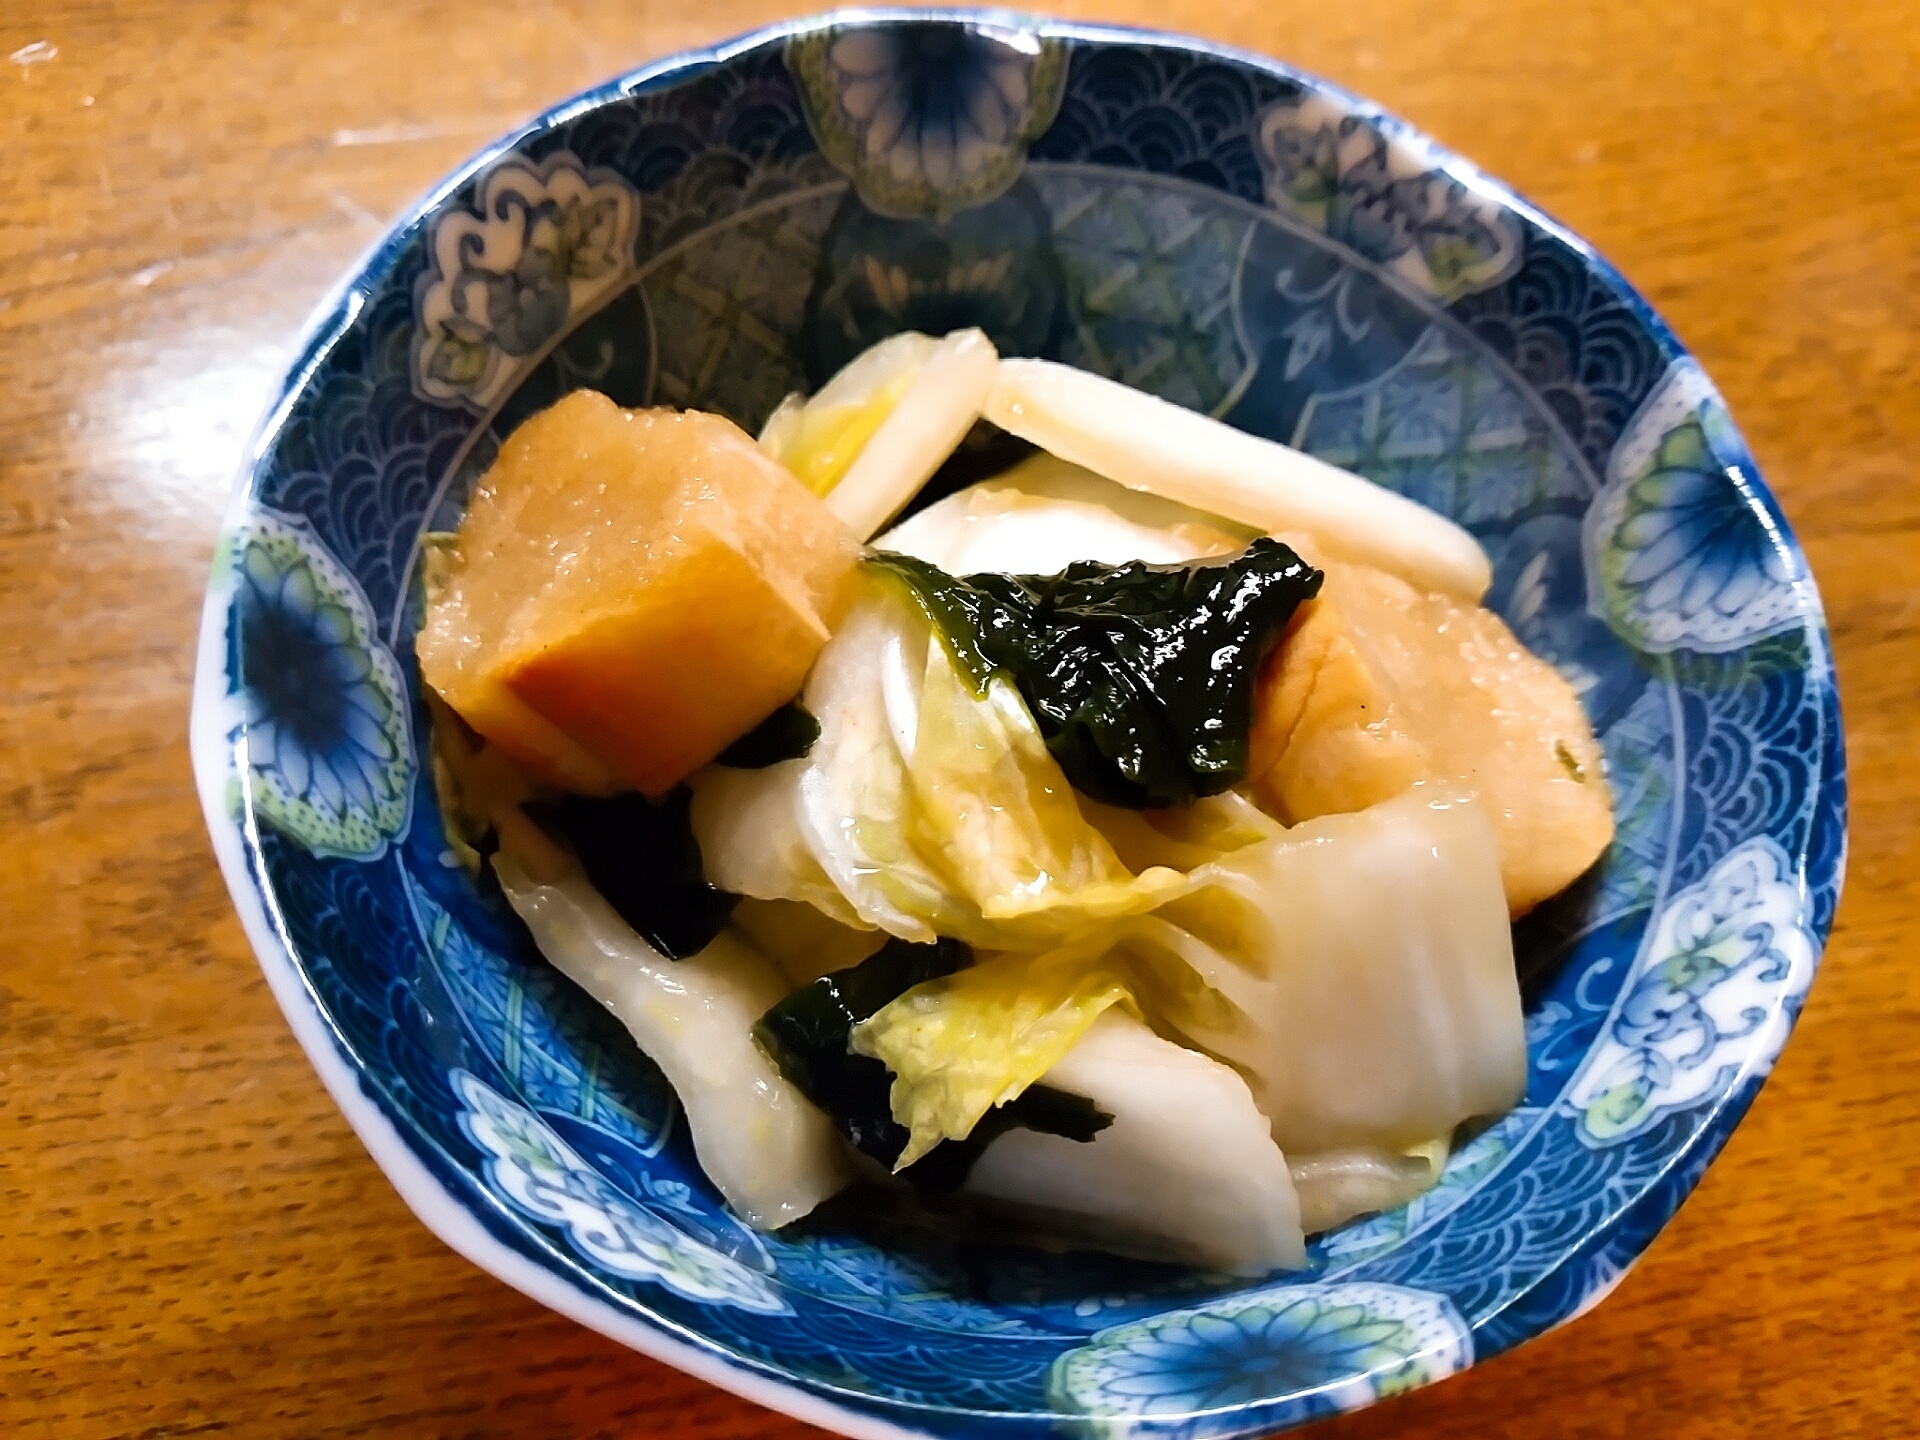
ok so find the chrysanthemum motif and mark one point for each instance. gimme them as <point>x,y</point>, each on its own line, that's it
<point>540,1175</point>
<point>549,244</point>
<point>928,119</point>
<point>1679,556</point>
<point>1388,199</point>
<point>1321,1347</point>
<point>322,706</point>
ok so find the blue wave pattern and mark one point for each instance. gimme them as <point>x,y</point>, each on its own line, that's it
<point>360,456</point>
<point>1574,340</point>
<point>1246,242</point>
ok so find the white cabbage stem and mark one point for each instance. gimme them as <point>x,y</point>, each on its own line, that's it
<point>771,1154</point>
<point>932,418</point>
<point>1336,1186</point>
<point>1186,1170</point>
<point>1146,443</point>
<point>1357,969</point>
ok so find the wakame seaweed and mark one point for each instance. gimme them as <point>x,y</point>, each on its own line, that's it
<point>807,1036</point>
<point>642,856</point>
<point>787,734</point>
<point>1140,676</point>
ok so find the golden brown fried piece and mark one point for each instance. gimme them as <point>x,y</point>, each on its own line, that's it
<point>1379,686</point>
<point>629,592</point>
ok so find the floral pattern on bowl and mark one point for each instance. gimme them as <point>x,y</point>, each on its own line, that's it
<point>1682,556</point>
<point>1728,965</point>
<point>322,706</point>
<point>928,120</point>
<point>720,229</point>
<point>541,1175</point>
<point>546,244</point>
<point>1329,1347</point>
<point>1388,197</point>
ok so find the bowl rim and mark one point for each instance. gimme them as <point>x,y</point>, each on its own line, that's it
<point>236,839</point>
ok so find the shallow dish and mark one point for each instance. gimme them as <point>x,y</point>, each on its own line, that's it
<point>720,228</point>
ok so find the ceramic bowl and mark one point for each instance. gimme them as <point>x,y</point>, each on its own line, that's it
<point>720,228</point>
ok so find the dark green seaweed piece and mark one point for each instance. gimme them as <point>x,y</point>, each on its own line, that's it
<point>642,856</point>
<point>807,1036</point>
<point>787,734</point>
<point>1141,676</point>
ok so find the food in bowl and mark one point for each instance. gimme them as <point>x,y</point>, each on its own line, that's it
<point>1120,851</point>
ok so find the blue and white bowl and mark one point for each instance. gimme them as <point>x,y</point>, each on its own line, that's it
<point>720,228</point>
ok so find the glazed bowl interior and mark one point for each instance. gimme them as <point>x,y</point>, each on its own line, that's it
<point>723,228</point>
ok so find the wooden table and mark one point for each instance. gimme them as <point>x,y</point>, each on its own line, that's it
<point>192,1242</point>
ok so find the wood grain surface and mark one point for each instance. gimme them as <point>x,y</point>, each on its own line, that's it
<point>191,1241</point>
